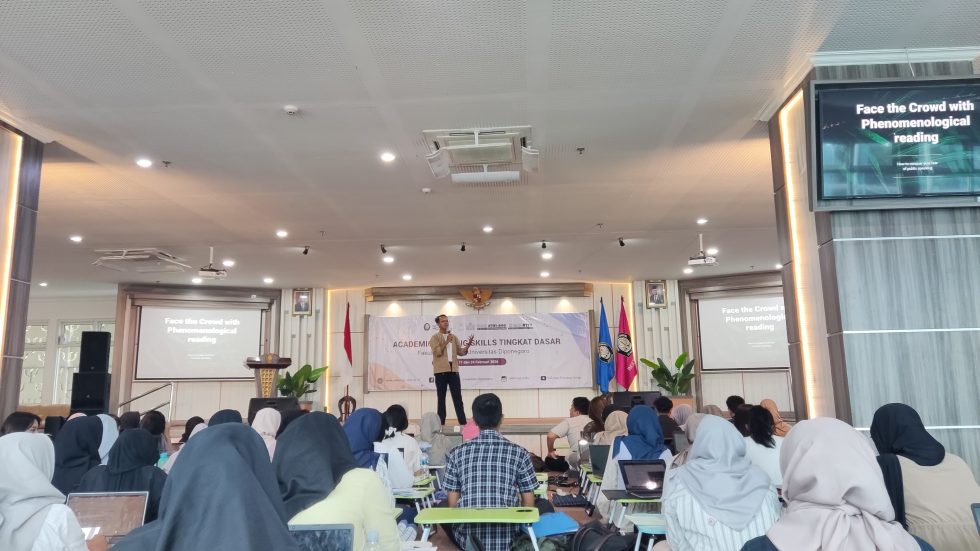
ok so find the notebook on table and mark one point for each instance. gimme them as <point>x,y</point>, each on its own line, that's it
<point>111,514</point>
<point>324,537</point>
<point>643,478</point>
<point>597,458</point>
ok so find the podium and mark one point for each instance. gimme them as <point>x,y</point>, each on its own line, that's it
<point>266,367</point>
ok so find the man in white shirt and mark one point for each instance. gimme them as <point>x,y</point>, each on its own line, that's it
<point>570,428</point>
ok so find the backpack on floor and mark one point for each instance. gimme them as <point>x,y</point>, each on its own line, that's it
<point>522,542</point>
<point>596,536</point>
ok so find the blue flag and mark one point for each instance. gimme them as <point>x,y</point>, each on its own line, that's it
<point>604,367</point>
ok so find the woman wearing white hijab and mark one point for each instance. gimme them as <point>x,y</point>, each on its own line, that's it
<point>835,493</point>
<point>173,457</point>
<point>717,500</point>
<point>33,516</point>
<point>266,423</point>
<point>681,414</point>
<point>110,433</point>
<point>432,433</point>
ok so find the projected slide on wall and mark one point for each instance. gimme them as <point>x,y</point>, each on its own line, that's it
<point>743,333</point>
<point>193,343</point>
<point>916,139</point>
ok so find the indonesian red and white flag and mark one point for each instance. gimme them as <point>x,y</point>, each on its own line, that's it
<point>625,363</point>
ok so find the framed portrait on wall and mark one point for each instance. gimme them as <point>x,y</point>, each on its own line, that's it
<point>302,302</point>
<point>656,294</point>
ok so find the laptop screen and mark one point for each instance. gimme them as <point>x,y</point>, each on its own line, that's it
<point>598,454</point>
<point>324,537</point>
<point>112,514</point>
<point>643,475</point>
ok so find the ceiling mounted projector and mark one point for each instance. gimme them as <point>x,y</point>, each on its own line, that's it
<point>702,259</point>
<point>210,272</point>
<point>502,153</point>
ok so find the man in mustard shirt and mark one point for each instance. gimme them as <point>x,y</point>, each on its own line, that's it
<point>446,348</point>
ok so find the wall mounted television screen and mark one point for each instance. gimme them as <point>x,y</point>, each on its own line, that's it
<point>896,140</point>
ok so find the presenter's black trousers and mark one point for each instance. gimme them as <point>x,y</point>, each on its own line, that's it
<point>450,379</point>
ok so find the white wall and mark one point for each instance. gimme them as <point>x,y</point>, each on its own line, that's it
<point>657,332</point>
<point>525,403</point>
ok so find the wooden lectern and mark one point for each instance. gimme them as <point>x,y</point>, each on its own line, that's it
<point>266,367</point>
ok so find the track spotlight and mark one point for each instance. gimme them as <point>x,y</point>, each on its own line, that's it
<point>306,250</point>
<point>383,249</point>
<point>621,242</point>
<point>544,245</point>
<point>462,248</point>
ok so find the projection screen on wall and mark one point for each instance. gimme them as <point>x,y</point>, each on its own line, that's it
<point>743,333</point>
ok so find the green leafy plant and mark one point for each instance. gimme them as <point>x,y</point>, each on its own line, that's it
<point>299,384</point>
<point>676,382</point>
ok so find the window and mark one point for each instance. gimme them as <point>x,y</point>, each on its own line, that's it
<point>32,375</point>
<point>69,349</point>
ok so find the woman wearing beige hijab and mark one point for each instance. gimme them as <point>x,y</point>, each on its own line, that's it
<point>690,430</point>
<point>835,494</point>
<point>615,425</point>
<point>780,427</point>
<point>712,409</point>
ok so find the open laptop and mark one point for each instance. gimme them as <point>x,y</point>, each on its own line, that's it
<point>597,458</point>
<point>976,514</point>
<point>324,537</point>
<point>681,442</point>
<point>643,478</point>
<point>111,514</point>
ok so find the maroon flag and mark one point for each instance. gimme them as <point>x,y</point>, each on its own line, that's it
<point>625,363</point>
<point>347,345</point>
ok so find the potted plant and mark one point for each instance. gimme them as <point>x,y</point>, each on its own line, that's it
<point>676,382</point>
<point>299,384</point>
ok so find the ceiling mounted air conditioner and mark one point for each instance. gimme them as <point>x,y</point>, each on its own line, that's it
<point>497,150</point>
<point>148,260</point>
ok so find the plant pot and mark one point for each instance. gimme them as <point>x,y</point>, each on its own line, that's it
<point>306,405</point>
<point>687,399</point>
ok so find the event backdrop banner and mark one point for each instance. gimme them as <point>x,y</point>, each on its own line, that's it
<point>509,351</point>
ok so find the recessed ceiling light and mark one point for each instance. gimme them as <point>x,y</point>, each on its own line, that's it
<point>197,281</point>
<point>227,263</point>
<point>712,251</point>
<point>43,284</point>
<point>702,221</point>
<point>268,281</point>
<point>144,163</point>
<point>547,255</point>
<point>688,270</point>
<point>282,233</point>
<point>778,266</point>
<point>488,229</point>
<point>545,274</point>
<point>387,156</point>
<point>407,277</point>
<point>388,259</point>
<point>76,238</point>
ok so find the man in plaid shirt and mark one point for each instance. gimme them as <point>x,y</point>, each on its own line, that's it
<point>489,471</point>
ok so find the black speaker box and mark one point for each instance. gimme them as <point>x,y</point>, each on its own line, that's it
<point>629,399</point>
<point>94,356</point>
<point>90,393</point>
<point>280,404</point>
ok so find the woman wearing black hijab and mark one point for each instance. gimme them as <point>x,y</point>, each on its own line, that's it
<point>189,428</point>
<point>931,490</point>
<point>226,416</point>
<point>131,468</point>
<point>222,494</point>
<point>76,450</point>
<point>129,420</point>
<point>321,482</point>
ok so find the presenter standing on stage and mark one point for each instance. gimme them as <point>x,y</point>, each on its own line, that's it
<point>446,349</point>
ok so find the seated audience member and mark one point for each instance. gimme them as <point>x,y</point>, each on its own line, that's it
<point>225,416</point>
<point>20,421</point>
<point>930,489</point>
<point>596,406</point>
<point>266,423</point>
<point>614,423</point>
<point>712,409</point>
<point>396,440</point>
<point>110,433</point>
<point>172,459</point>
<point>668,426</point>
<point>76,450</point>
<point>53,424</point>
<point>741,418</point>
<point>365,428</point>
<point>644,441</point>
<point>288,417</point>
<point>489,471</point>
<point>681,414</point>
<point>189,428</point>
<point>223,494</point>
<point>732,403</point>
<point>129,420</point>
<point>780,427</point>
<point>835,497</point>
<point>761,446</point>
<point>156,424</point>
<point>431,433</point>
<point>689,432</point>
<point>131,468</point>
<point>321,482</point>
<point>717,500</point>
<point>33,516</point>
<point>570,428</point>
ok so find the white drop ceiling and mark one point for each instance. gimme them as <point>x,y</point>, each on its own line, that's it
<point>662,96</point>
